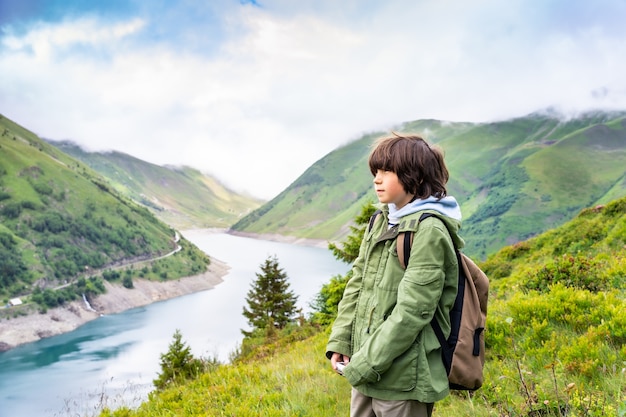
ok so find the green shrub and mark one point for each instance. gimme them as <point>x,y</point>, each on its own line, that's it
<point>42,188</point>
<point>576,271</point>
<point>111,275</point>
<point>127,282</point>
<point>12,210</point>
<point>327,300</point>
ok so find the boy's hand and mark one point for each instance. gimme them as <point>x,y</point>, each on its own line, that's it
<point>336,358</point>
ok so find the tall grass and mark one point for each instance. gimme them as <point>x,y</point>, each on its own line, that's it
<point>293,379</point>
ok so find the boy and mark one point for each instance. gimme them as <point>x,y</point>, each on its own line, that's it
<point>382,334</point>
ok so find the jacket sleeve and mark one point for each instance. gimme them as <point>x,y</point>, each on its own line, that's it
<point>340,339</point>
<point>419,292</point>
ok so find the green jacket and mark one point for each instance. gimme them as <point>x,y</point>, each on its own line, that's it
<point>383,323</point>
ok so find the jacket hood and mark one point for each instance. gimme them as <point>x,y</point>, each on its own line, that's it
<point>447,206</point>
<point>447,209</point>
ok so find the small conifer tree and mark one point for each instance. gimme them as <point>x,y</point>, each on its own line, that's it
<point>271,304</point>
<point>177,364</point>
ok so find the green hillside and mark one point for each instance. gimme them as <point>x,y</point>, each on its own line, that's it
<point>555,339</point>
<point>182,197</point>
<point>513,179</point>
<point>60,220</point>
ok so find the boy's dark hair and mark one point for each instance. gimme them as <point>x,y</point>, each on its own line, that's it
<point>420,168</point>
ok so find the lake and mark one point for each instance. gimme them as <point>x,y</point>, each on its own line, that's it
<point>113,360</point>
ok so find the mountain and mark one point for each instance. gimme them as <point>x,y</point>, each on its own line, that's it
<point>513,179</point>
<point>59,219</point>
<point>182,197</point>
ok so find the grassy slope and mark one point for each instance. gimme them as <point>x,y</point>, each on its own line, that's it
<point>182,197</point>
<point>554,342</point>
<point>513,179</point>
<point>293,380</point>
<point>59,213</point>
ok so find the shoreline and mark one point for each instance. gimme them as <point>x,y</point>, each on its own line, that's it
<point>272,237</point>
<point>33,327</point>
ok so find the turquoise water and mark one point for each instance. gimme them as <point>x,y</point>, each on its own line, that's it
<point>113,360</point>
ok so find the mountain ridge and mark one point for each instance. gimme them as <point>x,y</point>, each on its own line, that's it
<point>181,196</point>
<point>513,178</point>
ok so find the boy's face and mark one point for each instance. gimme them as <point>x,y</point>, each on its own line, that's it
<point>389,189</point>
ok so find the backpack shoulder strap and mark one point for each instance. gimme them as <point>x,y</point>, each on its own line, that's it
<point>427,215</point>
<point>373,218</point>
<point>405,241</point>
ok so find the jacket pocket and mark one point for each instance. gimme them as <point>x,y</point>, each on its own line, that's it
<point>402,375</point>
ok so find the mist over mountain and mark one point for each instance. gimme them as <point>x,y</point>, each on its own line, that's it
<point>181,196</point>
<point>513,178</point>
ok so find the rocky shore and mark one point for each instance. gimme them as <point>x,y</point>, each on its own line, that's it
<point>33,327</point>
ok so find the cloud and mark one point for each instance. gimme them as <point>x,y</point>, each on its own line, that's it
<point>254,94</point>
<point>42,40</point>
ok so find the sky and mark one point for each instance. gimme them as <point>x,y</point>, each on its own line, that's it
<point>254,92</point>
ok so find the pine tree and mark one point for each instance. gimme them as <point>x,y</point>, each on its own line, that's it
<point>177,364</point>
<point>271,304</point>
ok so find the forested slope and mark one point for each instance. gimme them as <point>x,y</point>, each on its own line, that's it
<point>60,220</point>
